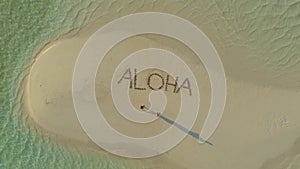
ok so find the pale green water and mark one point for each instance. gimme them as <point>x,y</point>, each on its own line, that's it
<point>269,30</point>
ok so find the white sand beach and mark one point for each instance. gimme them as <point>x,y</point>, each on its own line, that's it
<point>259,128</point>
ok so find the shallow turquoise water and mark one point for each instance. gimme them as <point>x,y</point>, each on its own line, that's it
<point>269,30</point>
<point>26,26</point>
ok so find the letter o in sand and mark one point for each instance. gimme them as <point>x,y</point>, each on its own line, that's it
<point>149,81</point>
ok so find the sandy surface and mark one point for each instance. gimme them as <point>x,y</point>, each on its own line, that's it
<point>259,129</point>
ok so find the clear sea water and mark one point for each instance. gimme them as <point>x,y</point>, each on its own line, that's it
<point>269,29</point>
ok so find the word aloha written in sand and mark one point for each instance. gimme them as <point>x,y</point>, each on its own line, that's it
<point>165,83</point>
